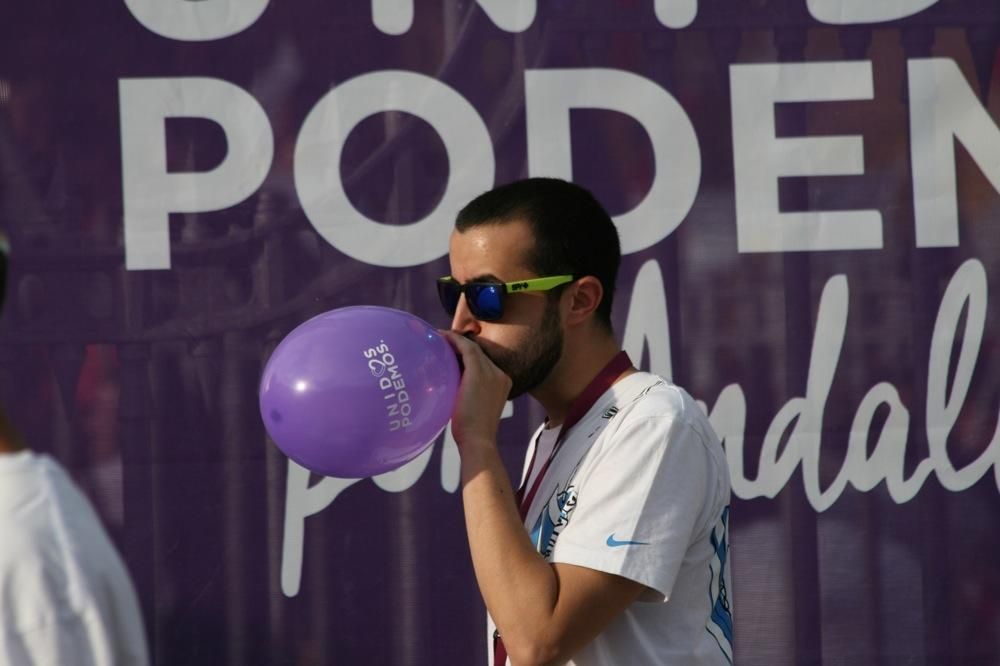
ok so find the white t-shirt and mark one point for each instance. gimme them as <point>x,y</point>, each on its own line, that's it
<point>66,598</point>
<point>640,489</point>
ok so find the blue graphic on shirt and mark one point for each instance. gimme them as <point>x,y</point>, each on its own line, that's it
<point>553,518</point>
<point>720,624</point>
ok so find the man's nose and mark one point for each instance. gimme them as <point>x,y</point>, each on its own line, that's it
<point>464,322</point>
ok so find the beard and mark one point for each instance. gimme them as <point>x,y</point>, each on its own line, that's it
<point>530,366</point>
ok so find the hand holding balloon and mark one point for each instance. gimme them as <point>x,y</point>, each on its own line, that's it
<point>482,394</point>
<point>358,391</point>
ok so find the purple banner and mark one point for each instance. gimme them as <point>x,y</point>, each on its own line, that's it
<point>805,192</point>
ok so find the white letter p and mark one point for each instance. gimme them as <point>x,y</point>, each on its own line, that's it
<point>150,192</point>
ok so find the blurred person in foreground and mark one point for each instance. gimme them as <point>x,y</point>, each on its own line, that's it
<point>614,550</point>
<point>66,598</point>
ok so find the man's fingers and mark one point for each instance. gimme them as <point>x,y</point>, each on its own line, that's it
<point>461,344</point>
<point>454,338</point>
<point>450,339</point>
<point>470,354</point>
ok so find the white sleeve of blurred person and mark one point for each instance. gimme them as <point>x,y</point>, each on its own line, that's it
<point>65,595</point>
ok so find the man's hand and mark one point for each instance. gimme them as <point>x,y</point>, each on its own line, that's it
<point>482,394</point>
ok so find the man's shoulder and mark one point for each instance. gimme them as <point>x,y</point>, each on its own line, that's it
<point>46,519</point>
<point>670,408</point>
<point>657,396</point>
<point>33,538</point>
<point>24,509</point>
<point>24,546</point>
<point>33,576</point>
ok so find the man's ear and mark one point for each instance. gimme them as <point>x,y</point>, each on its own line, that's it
<point>583,296</point>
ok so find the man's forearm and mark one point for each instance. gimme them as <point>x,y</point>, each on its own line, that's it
<point>519,587</point>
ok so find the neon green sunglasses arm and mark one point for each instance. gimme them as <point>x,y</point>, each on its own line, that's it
<point>537,284</point>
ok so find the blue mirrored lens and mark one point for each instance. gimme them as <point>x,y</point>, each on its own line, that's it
<point>485,302</point>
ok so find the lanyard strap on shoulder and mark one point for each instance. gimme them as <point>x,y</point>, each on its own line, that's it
<point>577,410</point>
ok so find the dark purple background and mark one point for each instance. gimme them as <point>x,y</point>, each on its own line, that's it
<point>144,383</point>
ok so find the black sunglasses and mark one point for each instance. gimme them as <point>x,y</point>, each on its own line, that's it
<point>485,299</point>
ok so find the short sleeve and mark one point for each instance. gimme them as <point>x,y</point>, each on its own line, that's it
<point>640,502</point>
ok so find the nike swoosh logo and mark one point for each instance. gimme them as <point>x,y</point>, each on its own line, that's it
<point>614,543</point>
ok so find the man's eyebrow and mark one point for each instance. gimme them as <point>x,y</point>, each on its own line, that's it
<point>486,277</point>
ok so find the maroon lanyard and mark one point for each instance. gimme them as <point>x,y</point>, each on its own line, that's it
<point>577,410</point>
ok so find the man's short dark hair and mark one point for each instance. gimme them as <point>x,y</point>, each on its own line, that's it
<point>573,233</point>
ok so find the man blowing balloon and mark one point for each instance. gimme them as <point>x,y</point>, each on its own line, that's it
<point>614,549</point>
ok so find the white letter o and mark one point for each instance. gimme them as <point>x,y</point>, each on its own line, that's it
<point>321,142</point>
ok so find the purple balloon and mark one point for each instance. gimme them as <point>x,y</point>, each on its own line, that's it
<point>358,391</point>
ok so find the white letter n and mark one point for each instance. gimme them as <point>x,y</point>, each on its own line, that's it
<point>943,108</point>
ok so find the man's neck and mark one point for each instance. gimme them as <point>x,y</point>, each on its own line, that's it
<point>578,367</point>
